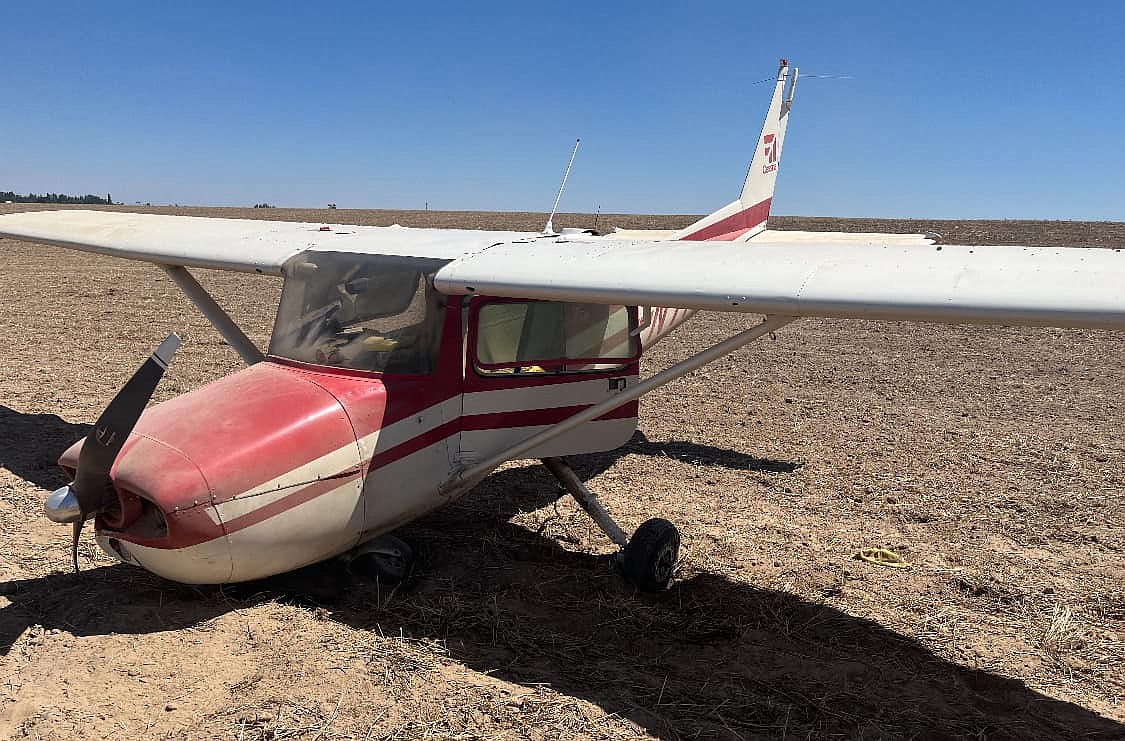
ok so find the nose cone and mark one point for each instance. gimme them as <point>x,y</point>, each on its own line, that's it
<point>218,472</point>
<point>251,427</point>
<point>165,521</point>
<point>147,473</point>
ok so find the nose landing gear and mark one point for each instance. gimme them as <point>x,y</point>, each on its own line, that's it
<point>386,558</point>
<point>648,559</point>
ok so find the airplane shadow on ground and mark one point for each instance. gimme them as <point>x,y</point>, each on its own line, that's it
<point>710,658</point>
<point>590,465</point>
<point>30,445</point>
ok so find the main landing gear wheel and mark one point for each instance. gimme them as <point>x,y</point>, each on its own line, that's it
<point>650,557</point>
<point>386,558</point>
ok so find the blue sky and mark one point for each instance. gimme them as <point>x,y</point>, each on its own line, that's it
<point>952,110</point>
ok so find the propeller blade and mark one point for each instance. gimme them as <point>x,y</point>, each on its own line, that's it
<point>92,486</point>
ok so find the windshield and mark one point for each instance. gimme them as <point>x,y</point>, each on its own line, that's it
<point>363,312</point>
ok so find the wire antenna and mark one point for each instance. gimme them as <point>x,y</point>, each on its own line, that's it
<point>806,76</point>
<point>550,227</point>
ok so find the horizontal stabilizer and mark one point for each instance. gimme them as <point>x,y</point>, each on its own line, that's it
<point>786,236</point>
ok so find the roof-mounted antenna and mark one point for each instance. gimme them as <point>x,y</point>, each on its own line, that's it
<point>550,227</point>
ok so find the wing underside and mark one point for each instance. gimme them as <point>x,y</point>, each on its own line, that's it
<point>1064,287</point>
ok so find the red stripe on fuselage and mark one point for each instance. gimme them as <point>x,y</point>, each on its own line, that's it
<point>475,422</point>
<point>297,498</point>
<point>733,226</point>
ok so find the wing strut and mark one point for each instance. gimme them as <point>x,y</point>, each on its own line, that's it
<point>219,319</point>
<point>469,474</point>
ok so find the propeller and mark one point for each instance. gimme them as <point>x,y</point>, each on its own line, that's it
<point>92,490</point>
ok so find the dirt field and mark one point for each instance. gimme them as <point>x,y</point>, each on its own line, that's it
<point>991,458</point>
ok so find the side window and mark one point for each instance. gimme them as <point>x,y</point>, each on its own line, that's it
<point>532,337</point>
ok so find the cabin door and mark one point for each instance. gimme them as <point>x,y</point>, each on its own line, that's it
<point>531,364</point>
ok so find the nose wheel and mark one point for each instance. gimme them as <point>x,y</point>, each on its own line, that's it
<point>386,558</point>
<point>648,559</point>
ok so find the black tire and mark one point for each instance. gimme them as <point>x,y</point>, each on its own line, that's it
<point>390,563</point>
<point>650,558</point>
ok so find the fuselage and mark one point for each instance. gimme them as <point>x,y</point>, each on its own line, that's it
<point>288,462</point>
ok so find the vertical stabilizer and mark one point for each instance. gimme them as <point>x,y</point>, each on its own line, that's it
<point>742,219</point>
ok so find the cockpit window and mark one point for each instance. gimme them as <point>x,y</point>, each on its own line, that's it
<point>363,312</point>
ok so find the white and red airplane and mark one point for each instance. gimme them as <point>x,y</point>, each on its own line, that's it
<point>407,364</point>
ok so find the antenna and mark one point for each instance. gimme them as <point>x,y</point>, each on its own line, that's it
<point>550,227</point>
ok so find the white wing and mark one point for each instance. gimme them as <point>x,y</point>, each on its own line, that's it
<point>247,245</point>
<point>869,277</point>
<point>1064,287</point>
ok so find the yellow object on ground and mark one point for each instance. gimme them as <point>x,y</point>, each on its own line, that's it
<point>882,557</point>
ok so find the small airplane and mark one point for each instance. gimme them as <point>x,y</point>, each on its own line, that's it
<point>405,365</point>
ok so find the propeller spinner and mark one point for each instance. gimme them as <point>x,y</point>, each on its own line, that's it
<point>92,490</point>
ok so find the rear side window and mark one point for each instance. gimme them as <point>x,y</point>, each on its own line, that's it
<point>529,337</point>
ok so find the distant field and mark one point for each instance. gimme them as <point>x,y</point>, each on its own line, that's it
<point>992,459</point>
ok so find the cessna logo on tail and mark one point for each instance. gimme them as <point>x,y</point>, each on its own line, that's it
<point>771,153</point>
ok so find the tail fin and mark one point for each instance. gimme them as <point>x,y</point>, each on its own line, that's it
<point>742,219</point>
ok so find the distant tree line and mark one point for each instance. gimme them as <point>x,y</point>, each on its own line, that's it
<point>53,198</point>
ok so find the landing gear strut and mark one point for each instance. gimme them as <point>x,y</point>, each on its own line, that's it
<point>648,559</point>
